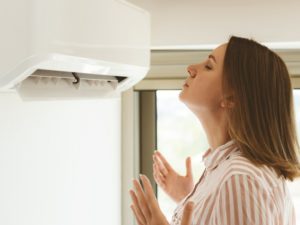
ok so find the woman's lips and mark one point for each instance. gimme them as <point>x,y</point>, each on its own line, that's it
<point>186,83</point>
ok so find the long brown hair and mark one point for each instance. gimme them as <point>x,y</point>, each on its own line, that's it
<point>262,120</point>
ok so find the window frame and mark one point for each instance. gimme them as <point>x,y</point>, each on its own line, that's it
<point>139,138</point>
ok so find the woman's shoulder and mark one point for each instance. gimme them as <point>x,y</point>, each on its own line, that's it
<point>239,166</point>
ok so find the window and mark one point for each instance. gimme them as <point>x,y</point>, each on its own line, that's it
<point>179,135</point>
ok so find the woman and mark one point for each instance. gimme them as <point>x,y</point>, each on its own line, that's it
<point>242,96</point>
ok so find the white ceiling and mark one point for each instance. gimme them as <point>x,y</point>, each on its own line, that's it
<point>202,24</point>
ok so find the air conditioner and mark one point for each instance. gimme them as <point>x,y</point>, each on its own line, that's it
<point>54,49</point>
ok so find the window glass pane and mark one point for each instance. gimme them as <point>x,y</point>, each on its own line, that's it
<point>180,134</point>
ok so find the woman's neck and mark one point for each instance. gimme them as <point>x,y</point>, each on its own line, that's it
<point>215,127</point>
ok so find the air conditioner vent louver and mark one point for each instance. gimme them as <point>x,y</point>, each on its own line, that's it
<point>46,84</point>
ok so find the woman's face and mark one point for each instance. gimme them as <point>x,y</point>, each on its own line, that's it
<point>204,90</point>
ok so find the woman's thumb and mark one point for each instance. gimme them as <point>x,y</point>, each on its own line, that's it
<point>187,214</point>
<point>188,164</point>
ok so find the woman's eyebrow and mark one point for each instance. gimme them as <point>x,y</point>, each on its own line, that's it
<point>214,58</point>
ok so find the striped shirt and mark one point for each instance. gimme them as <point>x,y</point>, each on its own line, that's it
<point>233,191</point>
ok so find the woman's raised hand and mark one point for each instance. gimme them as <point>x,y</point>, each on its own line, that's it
<point>146,209</point>
<point>145,206</point>
<point>173,184</point>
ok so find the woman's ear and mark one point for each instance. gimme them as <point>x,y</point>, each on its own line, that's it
<point>227,102</point>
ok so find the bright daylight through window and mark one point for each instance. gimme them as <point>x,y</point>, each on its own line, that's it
<point>180,134</point>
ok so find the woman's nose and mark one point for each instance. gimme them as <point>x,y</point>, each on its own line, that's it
<point>191,70</point>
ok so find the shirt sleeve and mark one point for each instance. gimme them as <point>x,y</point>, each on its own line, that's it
<point>243,200</point>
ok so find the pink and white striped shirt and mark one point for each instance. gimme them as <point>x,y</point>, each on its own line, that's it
<point>233,191</point>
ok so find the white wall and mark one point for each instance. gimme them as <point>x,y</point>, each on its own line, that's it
<point>194,22</point>
<point>59,162</point>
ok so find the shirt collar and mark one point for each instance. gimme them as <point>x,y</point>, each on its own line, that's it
<point>213,157</point>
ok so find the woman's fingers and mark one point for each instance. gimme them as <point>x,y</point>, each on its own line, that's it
<point>159,179</point>
<point>163,160</point>
<point>145,206</point>
<point>137,211</point>
<point>158,173</point>
<point>188,164</point>
<point>142,199</point>
<point>150,196</point>
<point>160,165</point>
<point>134,210</point>
<point>187,214</point>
